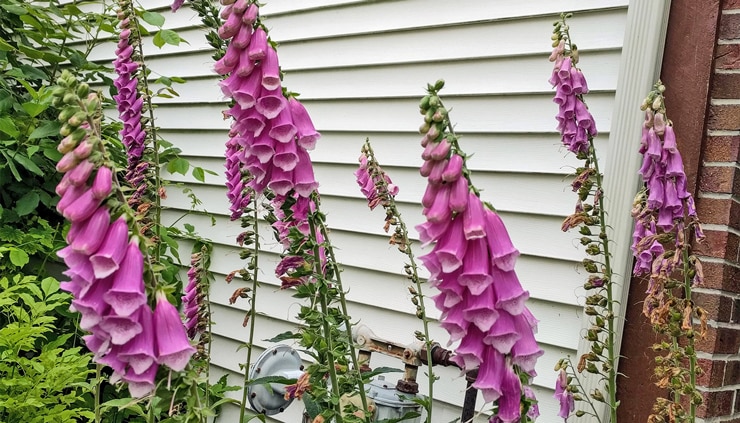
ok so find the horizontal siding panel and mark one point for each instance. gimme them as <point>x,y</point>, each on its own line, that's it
<point>493,152</point>
<point>498,114</point>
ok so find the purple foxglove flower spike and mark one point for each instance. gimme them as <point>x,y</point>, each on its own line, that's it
<point>455,324</point>
<point>510,295</point>
<point>286,156</point>
<point>430,232</point>
<point>242,38</point>
<point>491,375</point>
<point>263,148</point>
<point>176,5</point>
<point>471,347</point>
<point>453,171</point>
<point>173,348</point>
<point>231,27</point>
<point>71,194</point>
<point>91,305</point>
<point>303,176</point>
<point>430,194</point>
<point>281,181</point>
<point>246,66</point>
<point>247,92</point>
<point>250,15</point>
<point>564,396</point>
<point>525,351</point>
<point>127,293</point>
<point>108,258</point>
<point>440,209</point>
<point>509,410</point>
<point>99,346</point>
<point>435,175</point>
<point>240,6</point>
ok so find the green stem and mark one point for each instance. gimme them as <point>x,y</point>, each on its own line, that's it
<point>611,336</point>
<point>252,311</point>
<point>97,394</point>
<point>586,396</point>
<point>322,285</point>
<point>345,313</point>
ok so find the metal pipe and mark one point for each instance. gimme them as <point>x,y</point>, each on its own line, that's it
<point>471,395</point>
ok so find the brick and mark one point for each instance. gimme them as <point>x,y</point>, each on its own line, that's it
<point>719,341</point>
<point>713,210</point>
<point>724,116</point>
<point>726,85</point>
<point>718,306</point>
<point>732,373</point>
<point>730,4</point>
<point>727,57</point>
<point>729,26</point>
<point>719,244</point>
<point>723,149</point>
<point>735,318</point>
<point>716,404</point>
<point>717,179</point>
<point>713,373</point>
<point>721,276</point>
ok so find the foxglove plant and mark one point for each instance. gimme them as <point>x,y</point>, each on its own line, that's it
<point>472,264</point>
<point>665,223</point>
<point>267,154</point>
<point>106,264</point>
<point>577,129</point>
<point>378,188</point>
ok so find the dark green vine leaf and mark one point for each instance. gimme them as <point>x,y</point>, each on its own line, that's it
<point>27,203</point>
<point>47,129</point>
<point>7,126</point>
<point>178,165</point>
<point>15,9</point>
<point>283,336</point>
<point>28,164</point>
<point>199,174</point>
<point>270,379</point>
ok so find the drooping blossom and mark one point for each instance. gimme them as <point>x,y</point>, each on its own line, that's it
<point>129,102</point>
<point>192,302</point>
<point>575,122</point>
<point>173,346</point>
<point>176,5</point>
<point>472,265</point>
<point>564,396</point>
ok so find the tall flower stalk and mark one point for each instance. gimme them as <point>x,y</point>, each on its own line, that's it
<point>267,154</point>
<point>578,129</point>
<point>665,223</point>
<point>107,265</point>
<point>471,263</point>
<point>378,188</point>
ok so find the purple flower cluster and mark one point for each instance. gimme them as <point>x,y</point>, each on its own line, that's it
<point>666,203</point>
<point>106,271</point>
<point>575,122</point>
<point>129,104</point>
<point>472,265</point>
<point>270,134</point>
<point>373,183</point>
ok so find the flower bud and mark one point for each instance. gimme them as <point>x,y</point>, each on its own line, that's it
<point>67,162</point>
<point>66,145</point>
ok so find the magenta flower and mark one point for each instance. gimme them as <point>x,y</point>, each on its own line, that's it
<point>564,396</point>
<point>173,348</point>
<point>374,183</point>
<point>126,295</point>
<point>108,258</point>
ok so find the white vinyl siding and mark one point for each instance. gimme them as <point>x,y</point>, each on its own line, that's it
<point>361,67</point>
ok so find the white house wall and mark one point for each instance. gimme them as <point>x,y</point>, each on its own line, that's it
<point>361,67</point>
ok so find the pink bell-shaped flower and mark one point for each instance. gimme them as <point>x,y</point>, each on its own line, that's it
<point>307,135</point>
<point>173,348</point>
<point>92,233</point>
<point>127,293</point>
<point>108,258</point>
<point>140,351</point>
<point>141,385</point>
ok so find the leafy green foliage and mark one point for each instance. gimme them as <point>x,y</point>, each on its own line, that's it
<point>40,379</point>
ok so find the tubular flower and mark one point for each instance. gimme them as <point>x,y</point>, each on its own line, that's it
<point>472,265</point>
<point>192,301</point>
<point>575,122</point>
<point>564,396</point>
<point>128,100</point>
<point>374,183</point>
<point>270,134</point>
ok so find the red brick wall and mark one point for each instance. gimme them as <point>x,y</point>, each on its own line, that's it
<point>718,205</point>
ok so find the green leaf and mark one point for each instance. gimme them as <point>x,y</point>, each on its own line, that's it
<point>270,379</point>
<point>47,129</point>
<point>168,36</point>
<point>7,126</point>
<point>49,286</point>
<point>199,174</point>
<point>12,167</point>
<point>283,336</point>
<point>15,9</point>
<point>28,164</point>
<point>380,370</point>
<point>153,18</point>
<point>30,52</point>
<point>4,46</point>
<point>178,165</point>
<point>158,40</point>
<point>18,257</point>
<point>27,203</point>
<point>34,109</point>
